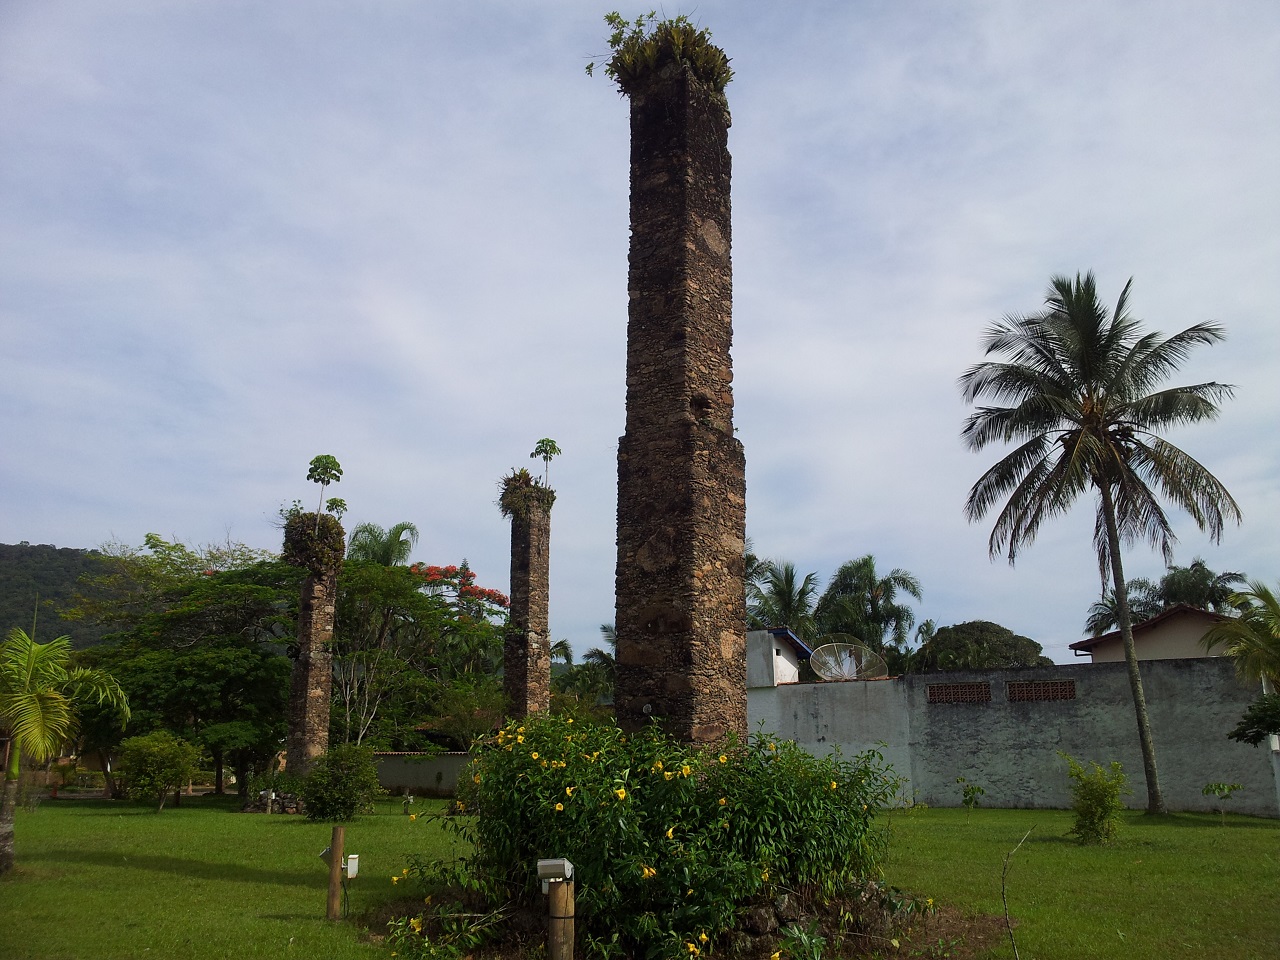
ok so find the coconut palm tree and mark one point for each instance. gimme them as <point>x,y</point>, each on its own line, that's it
<point>39,694</point>
<point>785,599</point>
<point>1080,392</point>
<point>1253,638</point>
<point>860,602</point>
<point>390,547</point>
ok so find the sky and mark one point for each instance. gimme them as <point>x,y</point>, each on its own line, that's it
<point>236,235</point>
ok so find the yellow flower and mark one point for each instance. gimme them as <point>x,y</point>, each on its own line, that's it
<point>689,892</point>
<point>723,758</point>
<point>646,872</point>
<point>703,937</point>
<point>570,720</point>
<point>667,774</point>
<point>476,778</point>
<point>395,879</point>
<point>559,807</point>
<point>833,784</point>
<point>519,729</point>
<point>670,831</point>
<point>520,739</point>
<point>544,763</point>
<point>773,746</point>
<point>777,955</point>
<point>723,801</point>
<point>461,805</point>
<point>658,765</point>
<point>685,771</point>
<point>620,793</point>
<point>568,791</point>
<point>413,817</point>
<point>534,754</point>
<point>764,875</point>
<point>416,923</point>
<point>693,949</point>
<point>404,872</point>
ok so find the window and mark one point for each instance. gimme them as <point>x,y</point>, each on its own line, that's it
<point>959,693</point>
<point>1024,691</point>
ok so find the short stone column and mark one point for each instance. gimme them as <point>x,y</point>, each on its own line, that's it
<point>318,545</point>
<point>526,655</point>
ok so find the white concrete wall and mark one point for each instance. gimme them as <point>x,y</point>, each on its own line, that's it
<point>1010,749</point>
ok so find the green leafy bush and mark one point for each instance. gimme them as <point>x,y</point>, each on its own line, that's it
<point>154,765</point>
<point>1096,799</point>
<point>343,782</point>
<point>667,842</point>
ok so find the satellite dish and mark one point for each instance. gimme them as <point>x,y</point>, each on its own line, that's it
<point>841,657</point>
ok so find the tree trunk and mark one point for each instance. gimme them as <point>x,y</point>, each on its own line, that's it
<point>217,770</point>
<point>1155,800</point>
<point>8,806</point>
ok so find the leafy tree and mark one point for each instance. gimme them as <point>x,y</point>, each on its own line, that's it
<point>156,765</point>
<point>324,470</point>
<point>40,693</point>
<point>387,633</point>
<point>545,449</point>
<point>860,602</point>
<point>977,645</point>
<point>591,681</point>
<point>562,651</point>
<point>1080,392</point>
<point>1260,720</point>
<point>1104,614</point>
<point>1194,586</point>
<point>785,599</point>
<point>343,782</point>
<point>391,547</point>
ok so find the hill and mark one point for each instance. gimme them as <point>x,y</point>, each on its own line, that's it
<point>49,573</point>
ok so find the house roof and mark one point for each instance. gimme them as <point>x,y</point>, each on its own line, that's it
<point>1177,610</point>
<point>803,652</point>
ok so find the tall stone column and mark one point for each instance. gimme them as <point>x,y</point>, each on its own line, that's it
<point>526,655</point>
<point>318,546</point>
<point>681,608</point>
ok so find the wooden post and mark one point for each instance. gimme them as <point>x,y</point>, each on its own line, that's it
<point>560,920</point>
<point>334,908</point>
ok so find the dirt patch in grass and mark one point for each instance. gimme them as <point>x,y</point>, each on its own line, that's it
<point>940,932</point>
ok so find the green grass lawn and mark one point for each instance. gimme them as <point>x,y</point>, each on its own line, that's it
<point>98,879</point>
<point>103,879</point>
<point>1172,887</point>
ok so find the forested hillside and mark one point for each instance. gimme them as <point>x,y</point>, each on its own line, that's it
<point>50,573</point>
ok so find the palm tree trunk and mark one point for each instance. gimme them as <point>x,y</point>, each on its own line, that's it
<point>8,807</point>
<point>1155,800</point>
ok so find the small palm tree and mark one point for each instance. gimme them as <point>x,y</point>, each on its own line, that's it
<point>860,602</point>
<point>1081,393</point>
<point>39,693</point>
<point>1252,639</point>
<point>390,548</point>
<point>785,599</point>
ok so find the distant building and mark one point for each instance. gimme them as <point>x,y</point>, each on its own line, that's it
<point>1173,634</point>
<point>774,656</point>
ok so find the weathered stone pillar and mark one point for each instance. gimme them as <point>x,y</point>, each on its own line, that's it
<point>681,608</point>
<point>319,547</point>
<point>526,655</point>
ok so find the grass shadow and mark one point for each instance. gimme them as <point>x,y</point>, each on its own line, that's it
<point>221,872</point>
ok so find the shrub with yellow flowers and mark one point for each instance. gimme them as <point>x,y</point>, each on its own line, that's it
<point>669,843</point>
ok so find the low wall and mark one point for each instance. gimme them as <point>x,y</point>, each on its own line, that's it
<point>423,774</point>
<point>1003,729</point>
